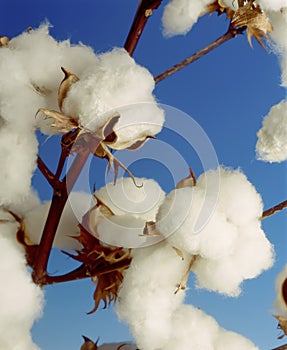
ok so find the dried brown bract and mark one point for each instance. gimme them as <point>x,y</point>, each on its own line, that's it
<point>254,19</point>
<point>282,324</point>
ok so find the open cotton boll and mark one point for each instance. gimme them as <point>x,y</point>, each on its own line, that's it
<point>180,15</point>
<point>78,204</point>
<point>272,137</point>
<point>116,84</point>
<point>279,302</point>
<point>42,56</point>
<point>18,153</point>
<point>147,299</point>
<point>21,301</point>
<point>126,198</point>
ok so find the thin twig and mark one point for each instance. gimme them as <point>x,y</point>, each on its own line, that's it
<point>231,33</point>
<point>274,210</point>
<point>142,15</point>
<point>282,347</point>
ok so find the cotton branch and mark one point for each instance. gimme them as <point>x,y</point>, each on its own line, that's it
<point>231,33</point>
<point>282,347</point>
<point>274,210</point>
<point>142,15</point>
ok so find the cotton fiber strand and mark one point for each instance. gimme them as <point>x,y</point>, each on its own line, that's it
<point>272,145</point>
<point>180,15</point>
<point>21,301</point>
<point>279,302</point>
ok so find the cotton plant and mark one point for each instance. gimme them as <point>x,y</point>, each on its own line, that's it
<point>136,243</point>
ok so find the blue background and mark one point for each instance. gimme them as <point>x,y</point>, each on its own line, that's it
<point>227,92</point>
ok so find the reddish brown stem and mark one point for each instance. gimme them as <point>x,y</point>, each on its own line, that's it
<point>50,177</point>
<point>274,210</point>
<point>231,33</point>
<point>59,200</point>
<point>142,15</point>
<point>282,347</point>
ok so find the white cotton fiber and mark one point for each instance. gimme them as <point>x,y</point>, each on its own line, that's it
<point>21,301</point>
<point>116,84</point>
<point>125,197</point>
<point>279,302</point>
<point>180,15</point>
<point>232,341</point>
<point>193,329</point>
<point>77,205</point>
<point>147,297</point>
<point>18,152</point>
<point>122,231</point>
<point>272,5</point>
<point>231,233</point>
<point>272,137</point>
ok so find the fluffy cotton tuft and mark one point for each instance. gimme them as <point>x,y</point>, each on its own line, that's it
<point>279,302</point>
<point>125,197</point>
<point>21,301</point>
<point>180,15</point>
<point>192,328</point>
<point>116,84</point>
<point>272,137</point>
<point>225,241</point>
<point>272,5</point>
<point>147,297</point>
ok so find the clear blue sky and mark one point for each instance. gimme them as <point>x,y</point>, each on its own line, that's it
<point>227,93</point>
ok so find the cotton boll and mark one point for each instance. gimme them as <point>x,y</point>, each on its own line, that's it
<point>279,302</point>
<point>180,15</point>
<point>21,301</point>
<point>147,299</point>
<point>232,341</point>
<point>271,145</point>
<point>18,152</point>
<point>116,84</point>
<point>77,205</point>
<point>126,198</point>
<point>233,5</point>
